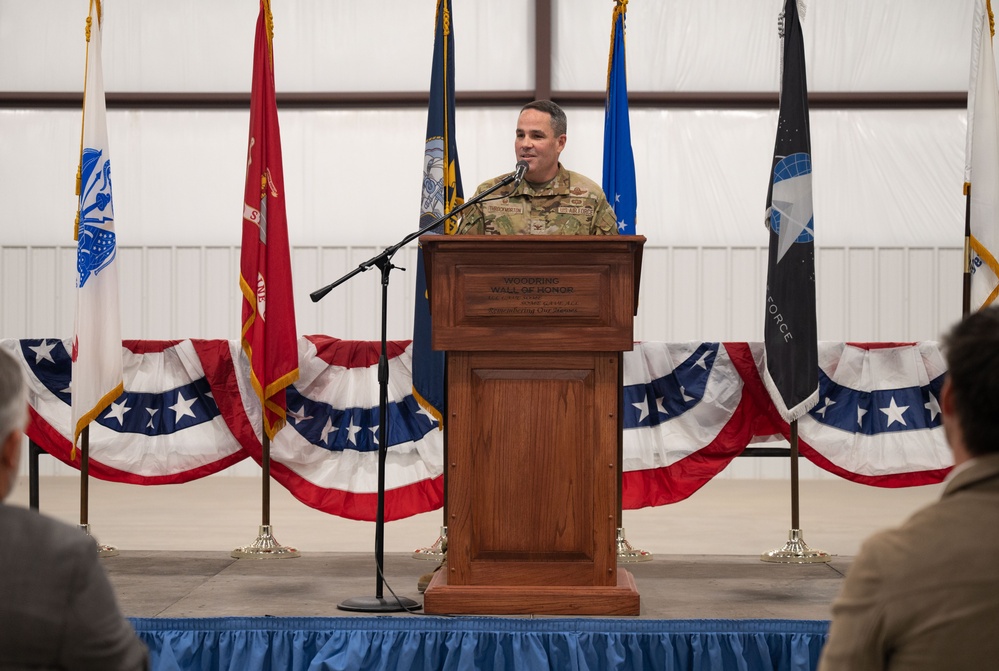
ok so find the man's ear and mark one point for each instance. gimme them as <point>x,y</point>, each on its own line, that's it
<point>947,399</point>
<point>561,142</point>
<point>10,450</point>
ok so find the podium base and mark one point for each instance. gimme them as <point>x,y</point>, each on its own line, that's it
<point>443,599</point>
<point>795,551</point>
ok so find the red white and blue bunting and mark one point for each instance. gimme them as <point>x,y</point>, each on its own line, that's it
<point>689,409</point>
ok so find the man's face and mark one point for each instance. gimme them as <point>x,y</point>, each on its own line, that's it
<point>538,145</point>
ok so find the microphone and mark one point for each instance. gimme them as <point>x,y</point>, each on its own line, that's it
<point>519,172</point>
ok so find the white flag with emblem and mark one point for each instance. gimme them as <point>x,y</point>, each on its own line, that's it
<point>97,369</point>
<point>981,169</point>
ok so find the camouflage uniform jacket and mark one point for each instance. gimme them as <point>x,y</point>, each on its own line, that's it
<point>570,204</point>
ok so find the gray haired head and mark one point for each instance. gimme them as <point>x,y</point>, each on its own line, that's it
<point>559,122</point>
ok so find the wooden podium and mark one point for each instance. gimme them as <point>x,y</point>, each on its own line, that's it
<point>534,327</point>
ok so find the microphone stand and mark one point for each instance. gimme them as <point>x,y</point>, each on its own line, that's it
<point>383,261</point>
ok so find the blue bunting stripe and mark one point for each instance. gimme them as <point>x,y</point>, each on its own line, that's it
<point>147,413</point>
<point>328,455</point>
<point>336,429</point>
<point>878,411</point>
<point>656,401</point>
<point>878,416</point>
<point>680,398</point>
<point>166,428</point>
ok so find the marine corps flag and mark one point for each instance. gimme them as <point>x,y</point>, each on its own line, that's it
<point>981,169</point>
<point>791,347</point>
<point>268,333</point>
<point>441,193</point>
<point>619,160</point>
<point>96,351</point>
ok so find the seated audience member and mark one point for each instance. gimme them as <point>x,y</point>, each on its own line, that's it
<point>57,608</point>
<point>926,595</point>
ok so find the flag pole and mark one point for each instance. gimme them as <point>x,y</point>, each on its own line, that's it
<point>966,294</point>
<point>269,344</point>
<point>102,550</point>
<point>795,551</point>
<point>265,546</point>
<point>619,185</point>
<point>441,192</point>
<point>626,552</point>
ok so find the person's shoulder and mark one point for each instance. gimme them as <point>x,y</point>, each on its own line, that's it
<point>982,473</point>
<point>582,186</point>
<point>489,183</point>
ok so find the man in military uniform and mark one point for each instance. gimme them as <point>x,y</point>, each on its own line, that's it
<point>550,200</point>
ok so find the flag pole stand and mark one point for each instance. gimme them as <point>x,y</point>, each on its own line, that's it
<point>102,550</point>
<point>628,554</point>
<point>435,551</point>
<point>795,551</point>
<point>265,546</point>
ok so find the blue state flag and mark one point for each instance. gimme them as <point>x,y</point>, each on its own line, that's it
<point>441,193</point>
<point>619,161</point>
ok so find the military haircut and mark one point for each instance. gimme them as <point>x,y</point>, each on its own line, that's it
<point>559,123</point>
<point>972,351</point>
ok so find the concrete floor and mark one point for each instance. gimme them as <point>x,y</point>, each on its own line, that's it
<point>174,544</point>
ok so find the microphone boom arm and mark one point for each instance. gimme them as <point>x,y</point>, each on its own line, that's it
<point>386,254</point>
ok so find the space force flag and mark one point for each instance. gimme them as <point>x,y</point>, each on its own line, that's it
<point>981,168</point>
<point>268,333</point>
<point>790,339</point>
<point>441,193</point>
<point>96,349</point>
<point>619,160</point>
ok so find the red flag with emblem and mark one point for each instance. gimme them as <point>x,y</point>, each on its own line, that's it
<point>268,333</point>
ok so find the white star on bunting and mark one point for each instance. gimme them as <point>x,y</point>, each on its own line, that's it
<point>43,351</point>
<point>933,407</point>
<point>183,407</point>
<point>117,410</point>
<point>894,412</point>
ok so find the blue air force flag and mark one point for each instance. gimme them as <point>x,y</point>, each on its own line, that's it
<point>790,337</point>
<point>96,350</point>
<point>619,160</point>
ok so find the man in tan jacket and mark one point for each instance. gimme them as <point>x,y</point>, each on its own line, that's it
<point>926,595</point>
